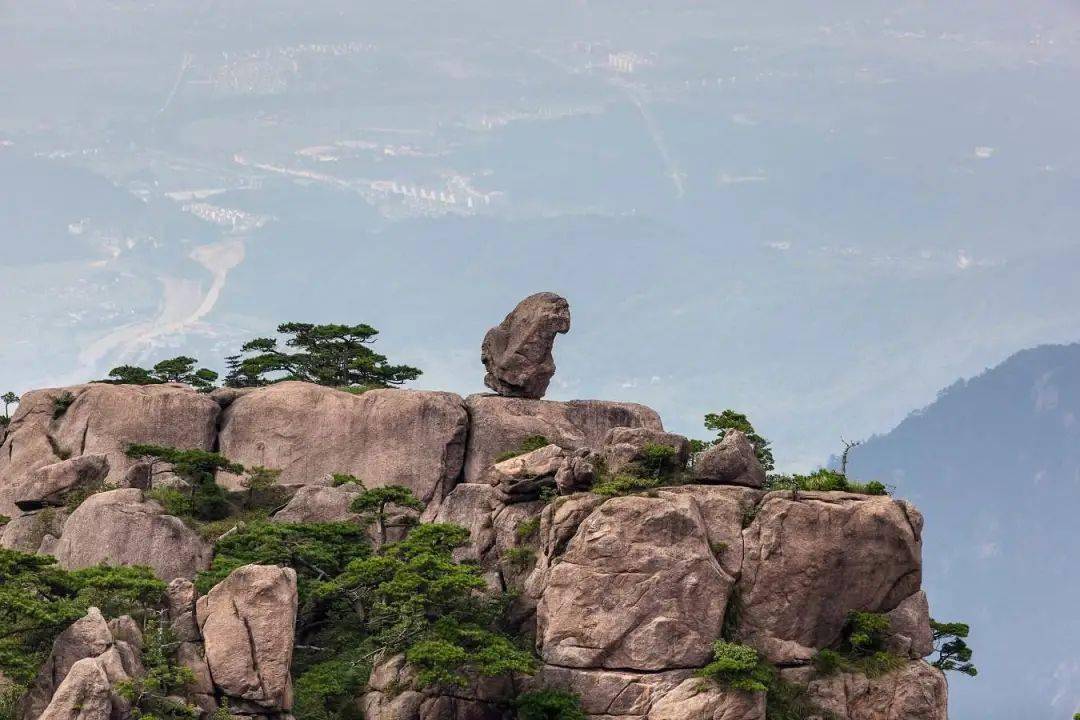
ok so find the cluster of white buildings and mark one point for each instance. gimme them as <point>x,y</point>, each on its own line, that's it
<point>473,200</point>
<point>235,220</point>
<point>627,62</point>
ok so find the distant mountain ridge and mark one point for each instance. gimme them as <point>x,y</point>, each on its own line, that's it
<point>994,463</point>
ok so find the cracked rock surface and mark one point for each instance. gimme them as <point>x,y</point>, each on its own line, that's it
<point>247,625</point>
<point>812,558</point>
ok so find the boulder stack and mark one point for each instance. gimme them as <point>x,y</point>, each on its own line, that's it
<point>623,565</point>
<point>88,659</point>
<point>237,640</point>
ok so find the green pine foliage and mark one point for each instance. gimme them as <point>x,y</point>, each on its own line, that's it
<point>9,398</point>
<point>371,505</point>
<point>206,500</point>
<point>157,695</point>
<point>658,460</point>
<point>317,551</point>
<point>117,590</point>
<point>334,355</point>
<point>862,649</point>
<point>179,369</point>
<point>740,667</point>
<point>737,667</point>
<point>413,597</point>
<point>657,465</point>
<point>789,701</point>
<point>61,403</point>
<point>527,529</point>
<point>38,600</point>
<point>327,690</point>
<point>549,704</point>
<point>339,479</point>
<point>519,558</point>
<point>950,642</point>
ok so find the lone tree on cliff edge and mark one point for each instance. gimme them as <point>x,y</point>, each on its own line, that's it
<point>9,398</point>
<point>334,355</point>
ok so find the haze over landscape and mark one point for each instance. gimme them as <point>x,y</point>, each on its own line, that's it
<point>821,215</point>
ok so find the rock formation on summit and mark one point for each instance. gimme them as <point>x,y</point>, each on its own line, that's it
<point>517,351</point>
<point>730,461</point>
<point>498,424</point>
<point>618,563</point>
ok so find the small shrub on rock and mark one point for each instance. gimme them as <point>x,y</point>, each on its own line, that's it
<point>824,481</point>
<point>862,648</point>
<point>729,630</point>
<point>527,528</point>
<point>339,479</point>
<point>196,469</point>
<point>549,704</point>
<point>77,496</point>
<point>737,667</point>
<point>533,442</point>
<point>61,403</point>
<point>625,485</point>
<point>828,662</point>
<point>658,460</point>
<point>789,701</point>
<point>519,557</point>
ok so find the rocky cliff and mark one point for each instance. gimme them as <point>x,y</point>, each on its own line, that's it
<point>621,590</point>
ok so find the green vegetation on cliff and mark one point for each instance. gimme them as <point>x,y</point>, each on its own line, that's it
<point>9,398</point>
<point>862,648</point>
<point>950,643</point>
<point>549,704</point>
<point>38,600</point>
<point>334,355</point>
<point>739,667</point>
<point>179,369</point>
